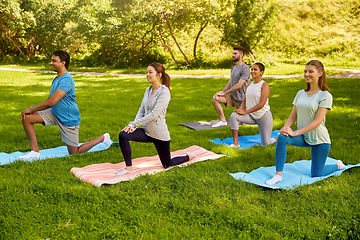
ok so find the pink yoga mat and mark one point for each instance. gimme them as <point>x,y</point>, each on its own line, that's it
<point>105,173</point>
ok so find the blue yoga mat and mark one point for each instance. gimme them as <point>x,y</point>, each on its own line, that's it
<point>294,174</point>
<point>6,158</point>
<point>244,141</point>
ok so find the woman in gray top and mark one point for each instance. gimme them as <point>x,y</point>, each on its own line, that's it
<point>151,116</point>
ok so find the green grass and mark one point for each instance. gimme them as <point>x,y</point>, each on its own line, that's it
<point>272,68</point>
<point>43,200</point>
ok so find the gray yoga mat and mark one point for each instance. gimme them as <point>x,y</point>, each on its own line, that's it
<point>202,125</point>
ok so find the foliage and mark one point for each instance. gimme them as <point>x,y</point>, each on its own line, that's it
<point>317,28</point>
<point>11,19</point>
<point>118,32</point>
<point>184,34</point>
<point>249,23</point>
<point>36,27</point>
<point>43,200</point>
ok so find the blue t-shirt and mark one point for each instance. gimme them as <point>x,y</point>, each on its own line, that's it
<point>66,110</point>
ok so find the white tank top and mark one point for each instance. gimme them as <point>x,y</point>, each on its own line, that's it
<point>253,94</point>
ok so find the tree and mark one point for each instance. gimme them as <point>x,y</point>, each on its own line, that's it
<point>248,24</point>
<point>35,26</point>
<point>12,24</point>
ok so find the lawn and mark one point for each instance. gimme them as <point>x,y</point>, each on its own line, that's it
<point>43,200</point>
<point>273,68</point>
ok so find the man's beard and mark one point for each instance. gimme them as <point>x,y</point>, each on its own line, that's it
<point>236,59</point>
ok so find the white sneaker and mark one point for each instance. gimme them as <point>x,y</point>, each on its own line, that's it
<point>219,124</point>
<point>341,164</point>
<point>191,154</point>
<point>31,154</point>
<point>123,172</point>
<point>233,146</point>
<point>107,140</point>
<point>274,179</point>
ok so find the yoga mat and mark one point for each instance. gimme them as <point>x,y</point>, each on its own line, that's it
<point>105,173</point>
<point>203,125</point>
<point>295,174</point>
<point>6,158</point>
<point>244,141</point>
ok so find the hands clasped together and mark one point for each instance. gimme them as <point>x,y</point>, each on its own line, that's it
<point>128,129</point>
<point>287,131</point>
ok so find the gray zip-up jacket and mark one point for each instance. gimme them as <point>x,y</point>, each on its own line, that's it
<point>152,115</point>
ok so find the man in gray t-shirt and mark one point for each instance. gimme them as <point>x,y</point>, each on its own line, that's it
<point>234,91</point>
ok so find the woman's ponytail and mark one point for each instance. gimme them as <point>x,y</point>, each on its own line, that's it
<point>165,78</point>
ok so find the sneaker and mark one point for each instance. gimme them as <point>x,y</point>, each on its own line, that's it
<point>219,124</point>
<point>107,140</point>
<point>341,164</point>
<point>123,172</point>
<point>233,146</point>
<point>31,154</point>
<point>191,154</point>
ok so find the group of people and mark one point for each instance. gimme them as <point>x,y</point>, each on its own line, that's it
<point>250,98</point>
<point>61,109</point>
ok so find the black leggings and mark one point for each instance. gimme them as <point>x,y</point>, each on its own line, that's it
<point>162,147</point>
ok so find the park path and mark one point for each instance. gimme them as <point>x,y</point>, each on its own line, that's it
<point>347,73</point>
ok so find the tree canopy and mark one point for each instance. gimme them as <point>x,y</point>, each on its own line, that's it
<point>135,32</point>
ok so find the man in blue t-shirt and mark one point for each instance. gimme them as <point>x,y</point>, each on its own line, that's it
<point>234,91</point>
<point>60,109</point>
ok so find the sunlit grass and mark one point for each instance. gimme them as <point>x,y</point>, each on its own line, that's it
<point>200,201</point>
<point>275,68</point>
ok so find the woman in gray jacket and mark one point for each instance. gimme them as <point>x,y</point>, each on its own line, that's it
<point>151,115</point>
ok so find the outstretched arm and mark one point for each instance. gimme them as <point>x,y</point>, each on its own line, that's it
<point>227,86</point>
<point>161,104</point>
<point>265,92</point>
<point>222,92</point>
<point>320,115</point>
<point>236,87</point>
<point>242,109</point>
<point>48,103</point>
<point>289,122</point>
<point>139,115</point>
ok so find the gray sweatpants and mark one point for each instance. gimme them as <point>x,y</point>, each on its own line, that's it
<point>265,124</point>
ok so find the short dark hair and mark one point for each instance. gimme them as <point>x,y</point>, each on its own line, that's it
<point>261,66</point>
<point>64,56</point>
<point>240,49</point>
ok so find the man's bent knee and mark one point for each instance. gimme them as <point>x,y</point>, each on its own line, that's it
<point>33,118</point>
<point>214,100</point>
<point>72,149</point>
<point>219,101</point>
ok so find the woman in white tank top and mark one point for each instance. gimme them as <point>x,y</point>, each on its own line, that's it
<point>255,108</point>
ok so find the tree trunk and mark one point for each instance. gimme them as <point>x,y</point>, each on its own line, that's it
<point>172,35</point>
<point>135,59</point>
<point>8,36</point>
<point>30,48</point>
<point>252,55</point>
<point>168,48</point>
<point>246,46</point>
<point>198,36</point>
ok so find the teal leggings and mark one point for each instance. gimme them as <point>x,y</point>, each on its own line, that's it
<point>319,155</point>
